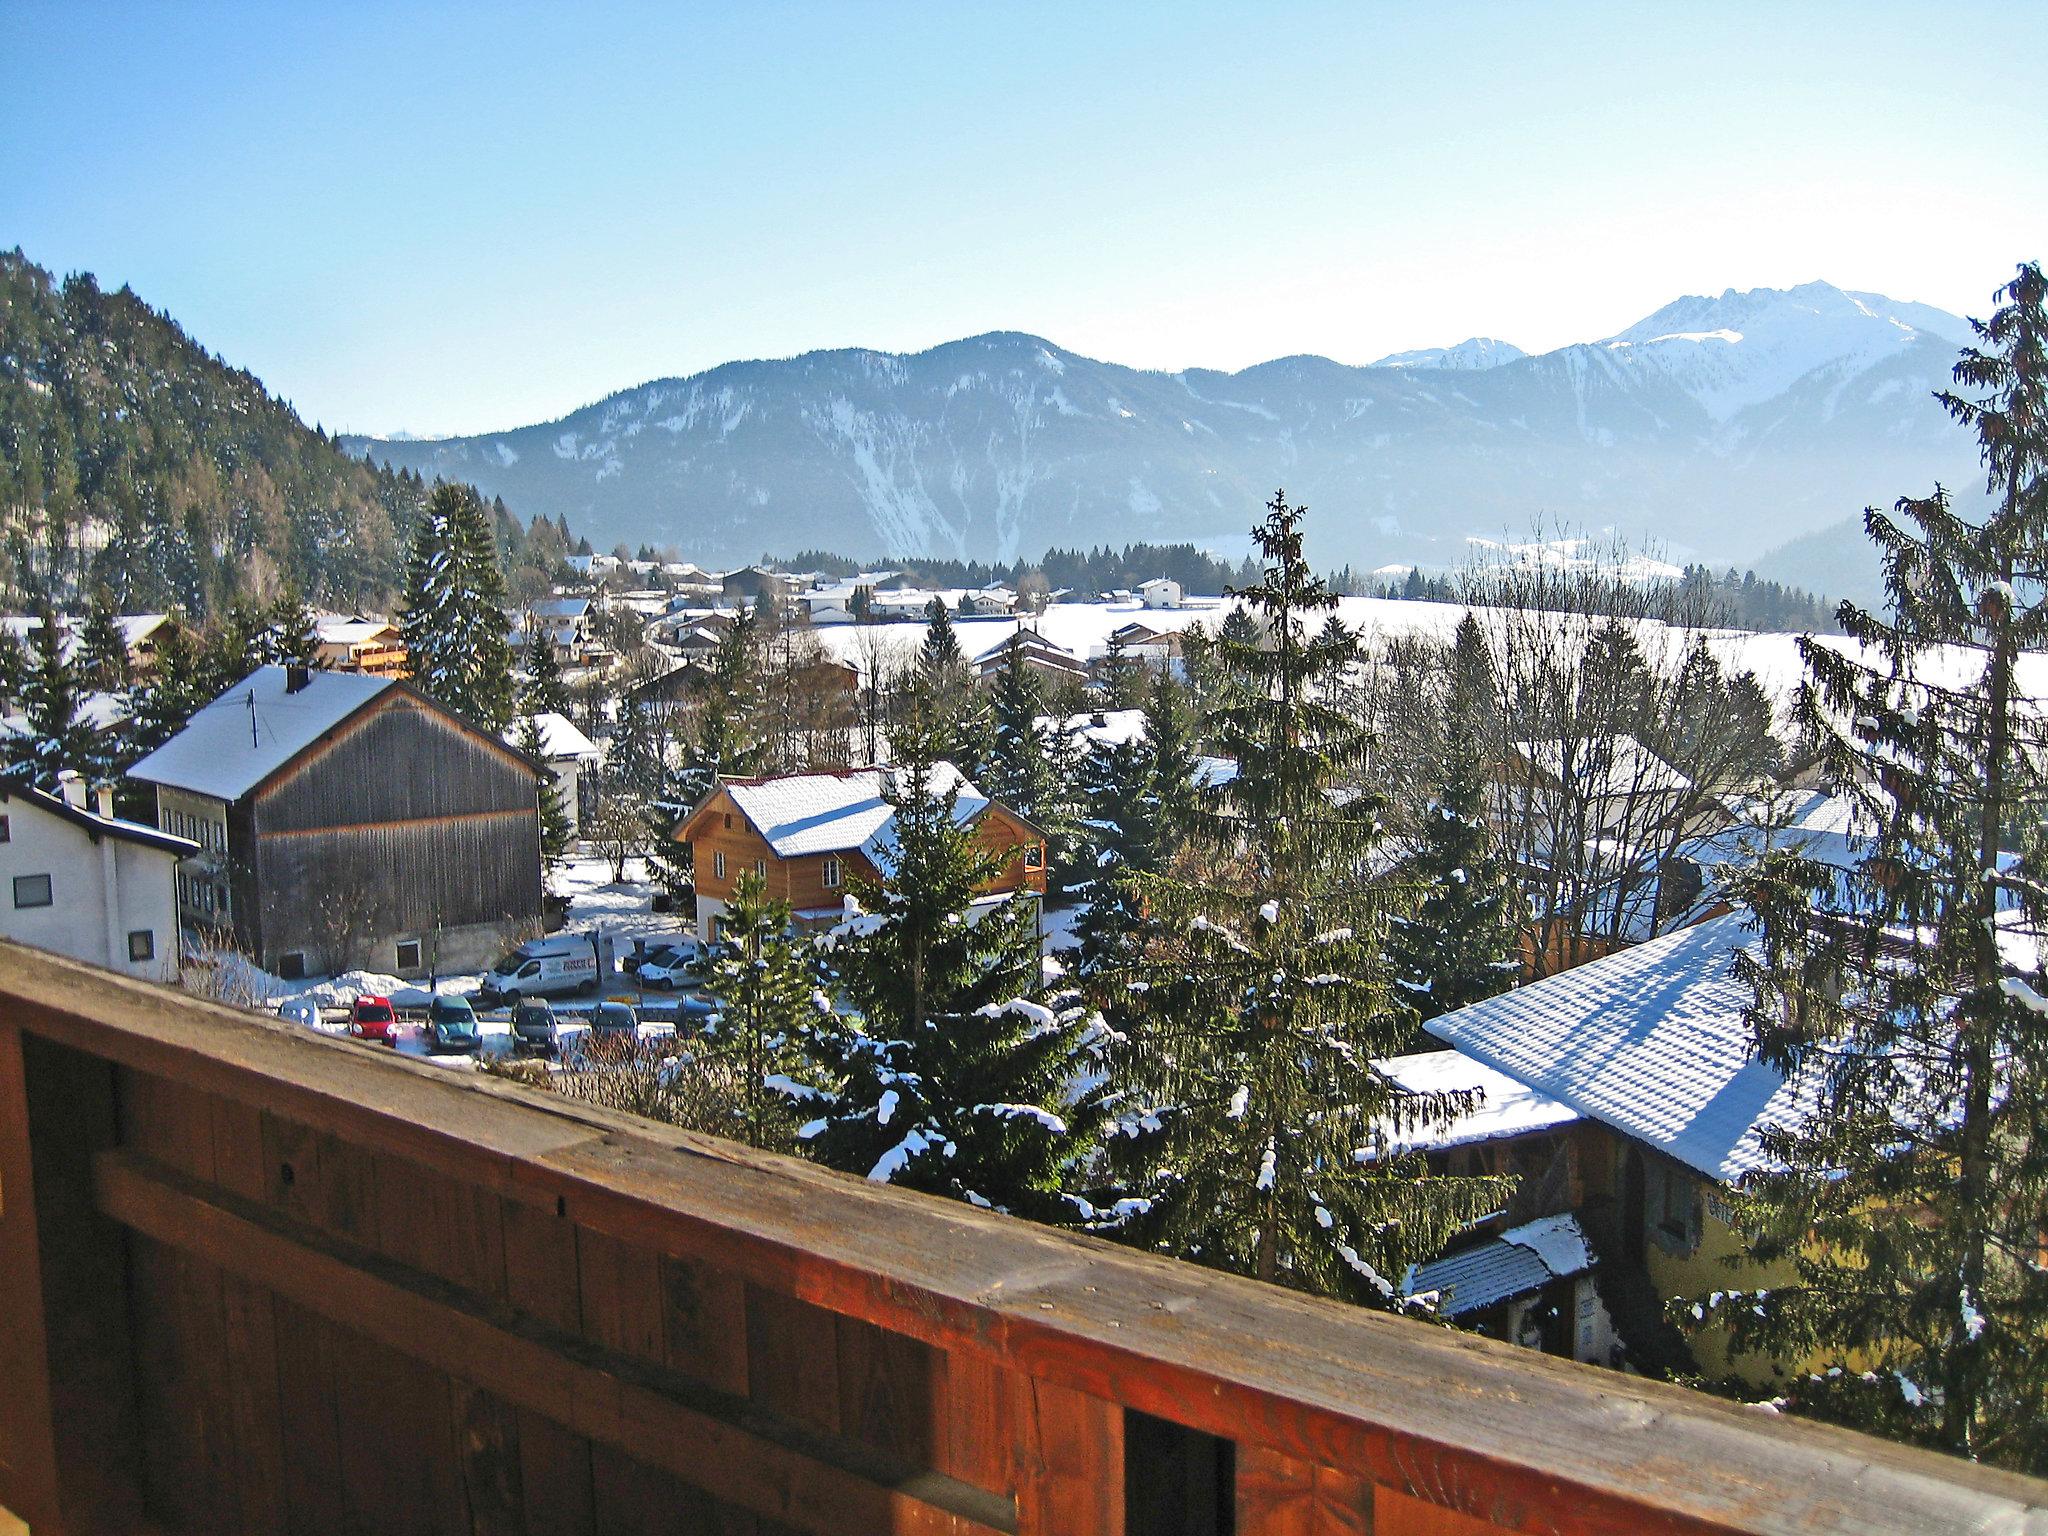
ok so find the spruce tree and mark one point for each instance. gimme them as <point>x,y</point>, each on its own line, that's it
<point>1459,943</point>
<point>543,692</point>
<point>1909,1204</point>
<point>1123,676</point>
<point>960,714</point>
<point>1015,770</point>
<point>947,1073</point>
<point>177,686</point>
<point>57,735</point>
<point>294,634</point>
<point>555,830</point>
<point>760,973</point>
<point>102,649</point>
<point>1255,1134</point>
<point>454,620</point>
<point>1137,794</point>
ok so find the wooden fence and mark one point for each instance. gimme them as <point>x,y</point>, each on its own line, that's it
<point>256,1280</point>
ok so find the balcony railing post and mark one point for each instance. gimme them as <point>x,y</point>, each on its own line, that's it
<point>68,1444</point>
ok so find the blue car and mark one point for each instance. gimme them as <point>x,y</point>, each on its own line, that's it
<point>451,1024</point>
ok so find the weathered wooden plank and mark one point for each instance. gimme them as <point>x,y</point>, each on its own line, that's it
<point>1070,1462</point>
<point>28,1452</point>
<point>980,1447</point>
<point>308,1421</point>
<point>80,1470</point>
<point>486,1430</point>
<point>892,1392</point>
<point>793,1358</point>
<point>541,1281</point>
<point>609,1400</point>
<point>622,1296</point>
<point>253,1400</point>
<point>1399,1514</point>
<point>705,1323</point>
<point>1279,1495</point>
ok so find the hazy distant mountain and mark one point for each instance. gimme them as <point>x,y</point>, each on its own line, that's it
<point>1721,427</point>
<point>1473,354</point>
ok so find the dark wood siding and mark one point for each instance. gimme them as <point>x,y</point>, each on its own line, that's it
<point>402,822</point>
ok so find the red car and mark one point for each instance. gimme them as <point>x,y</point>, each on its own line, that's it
<point>371,1018</point>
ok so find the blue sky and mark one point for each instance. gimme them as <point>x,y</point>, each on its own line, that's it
<point>462,217</point>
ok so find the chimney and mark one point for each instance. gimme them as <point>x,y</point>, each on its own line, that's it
<point>297,678</point>
<point>71,785</point>
<point>103,798</point>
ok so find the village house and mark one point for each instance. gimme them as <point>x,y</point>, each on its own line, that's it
<point>1160,649</point>
<point>1650,1047</point>
<point>347,820</point>
<point>82,882</point>
<point>1052,663</point>
<point>1160,592</point>
<point>812,836</point>
<point>565,621</point>
<point>357,644</point>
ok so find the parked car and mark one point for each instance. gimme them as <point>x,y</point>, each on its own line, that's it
<point>661,952</point>
<point>668,967</point>
<point>371,1018</point>
<point>451,1024</point>
<point>300,1010</point>
<point>533,1026</point>
<point>614,1021</point>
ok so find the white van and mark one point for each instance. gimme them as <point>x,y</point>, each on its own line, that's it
<point>556,967</point>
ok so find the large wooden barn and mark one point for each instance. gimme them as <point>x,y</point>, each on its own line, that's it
<point>346,820</point>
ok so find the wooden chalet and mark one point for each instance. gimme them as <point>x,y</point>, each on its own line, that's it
<point>358,644</point>
<point>1050,662</point>
<point>255,1279</point>
<point>346,820</point>
<point>811,836</point>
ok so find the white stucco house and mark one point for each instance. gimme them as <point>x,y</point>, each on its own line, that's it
<point>82,882</point>
<point>571,756</point>
<point>1160,592</point>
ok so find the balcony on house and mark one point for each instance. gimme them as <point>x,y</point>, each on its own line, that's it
<point>253,1279</point>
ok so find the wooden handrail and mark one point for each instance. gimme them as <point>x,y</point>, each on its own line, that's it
<point>1509,1438</point>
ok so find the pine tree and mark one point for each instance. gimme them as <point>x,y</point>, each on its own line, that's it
<point>960,712</point>
<point>294,634</point>
<point>555,831</point>
<point>57,735</point>
<point>947,1074</point>
<point>1459,944</point>
<point>1123,675</point>
<point>1261,994</point>
<point>102,649</point>
<point>544,691</point>
<point>1909,1205</point>
<point>1015,770</point>
<point>761,975</point>
<point>177,686</point>
<point>454,621</point>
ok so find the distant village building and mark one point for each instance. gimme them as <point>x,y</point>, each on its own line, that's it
<point>812,835</point>
<point>743,588</point>
<point>1039,655</point>
<point>566,621</point>
<point>1160,592</point>
<point>1160,649</point>
<point>347,820</point>
<point>357,644</point>
<point>81,882</point>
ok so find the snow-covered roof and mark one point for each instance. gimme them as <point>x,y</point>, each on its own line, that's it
<point>349,631</point>
<point>1521,1260</point>
<point>1106,727</point>
<point>230,746</point>
<point>559,737</point>
<point>560,608</point>
<point>1616,765</point>
<point>1507,1107</point>
<point>100,710</point>
<point>1650,1041</point>
<point>96,825</point>
<point>808,813</point>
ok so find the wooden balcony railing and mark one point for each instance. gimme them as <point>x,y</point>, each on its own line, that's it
<point>255,1280</point>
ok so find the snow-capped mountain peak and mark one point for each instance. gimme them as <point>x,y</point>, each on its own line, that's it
<point>1748,346</point>
<point>1471,355</point>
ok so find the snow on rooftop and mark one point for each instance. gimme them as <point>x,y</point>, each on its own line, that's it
<point>1521,1260</point>
<point>1507,1107</point>
<point>1650,1041</point>
<point>808,813</point>
<point>559,737</point>
<point>230,746</point>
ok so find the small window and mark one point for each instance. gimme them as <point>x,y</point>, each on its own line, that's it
<point>6,836</point>
<point>761,868</point>
<point>718,865</point>
<point>408,954</point>
<point>728,821</point>
<point>142,945</point>
<point>291,966</point>
<point>1034,855</point>
<point>32,891</point>
<point>831,874</point>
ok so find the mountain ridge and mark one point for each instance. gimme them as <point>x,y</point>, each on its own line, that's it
<point>1717,425</point>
